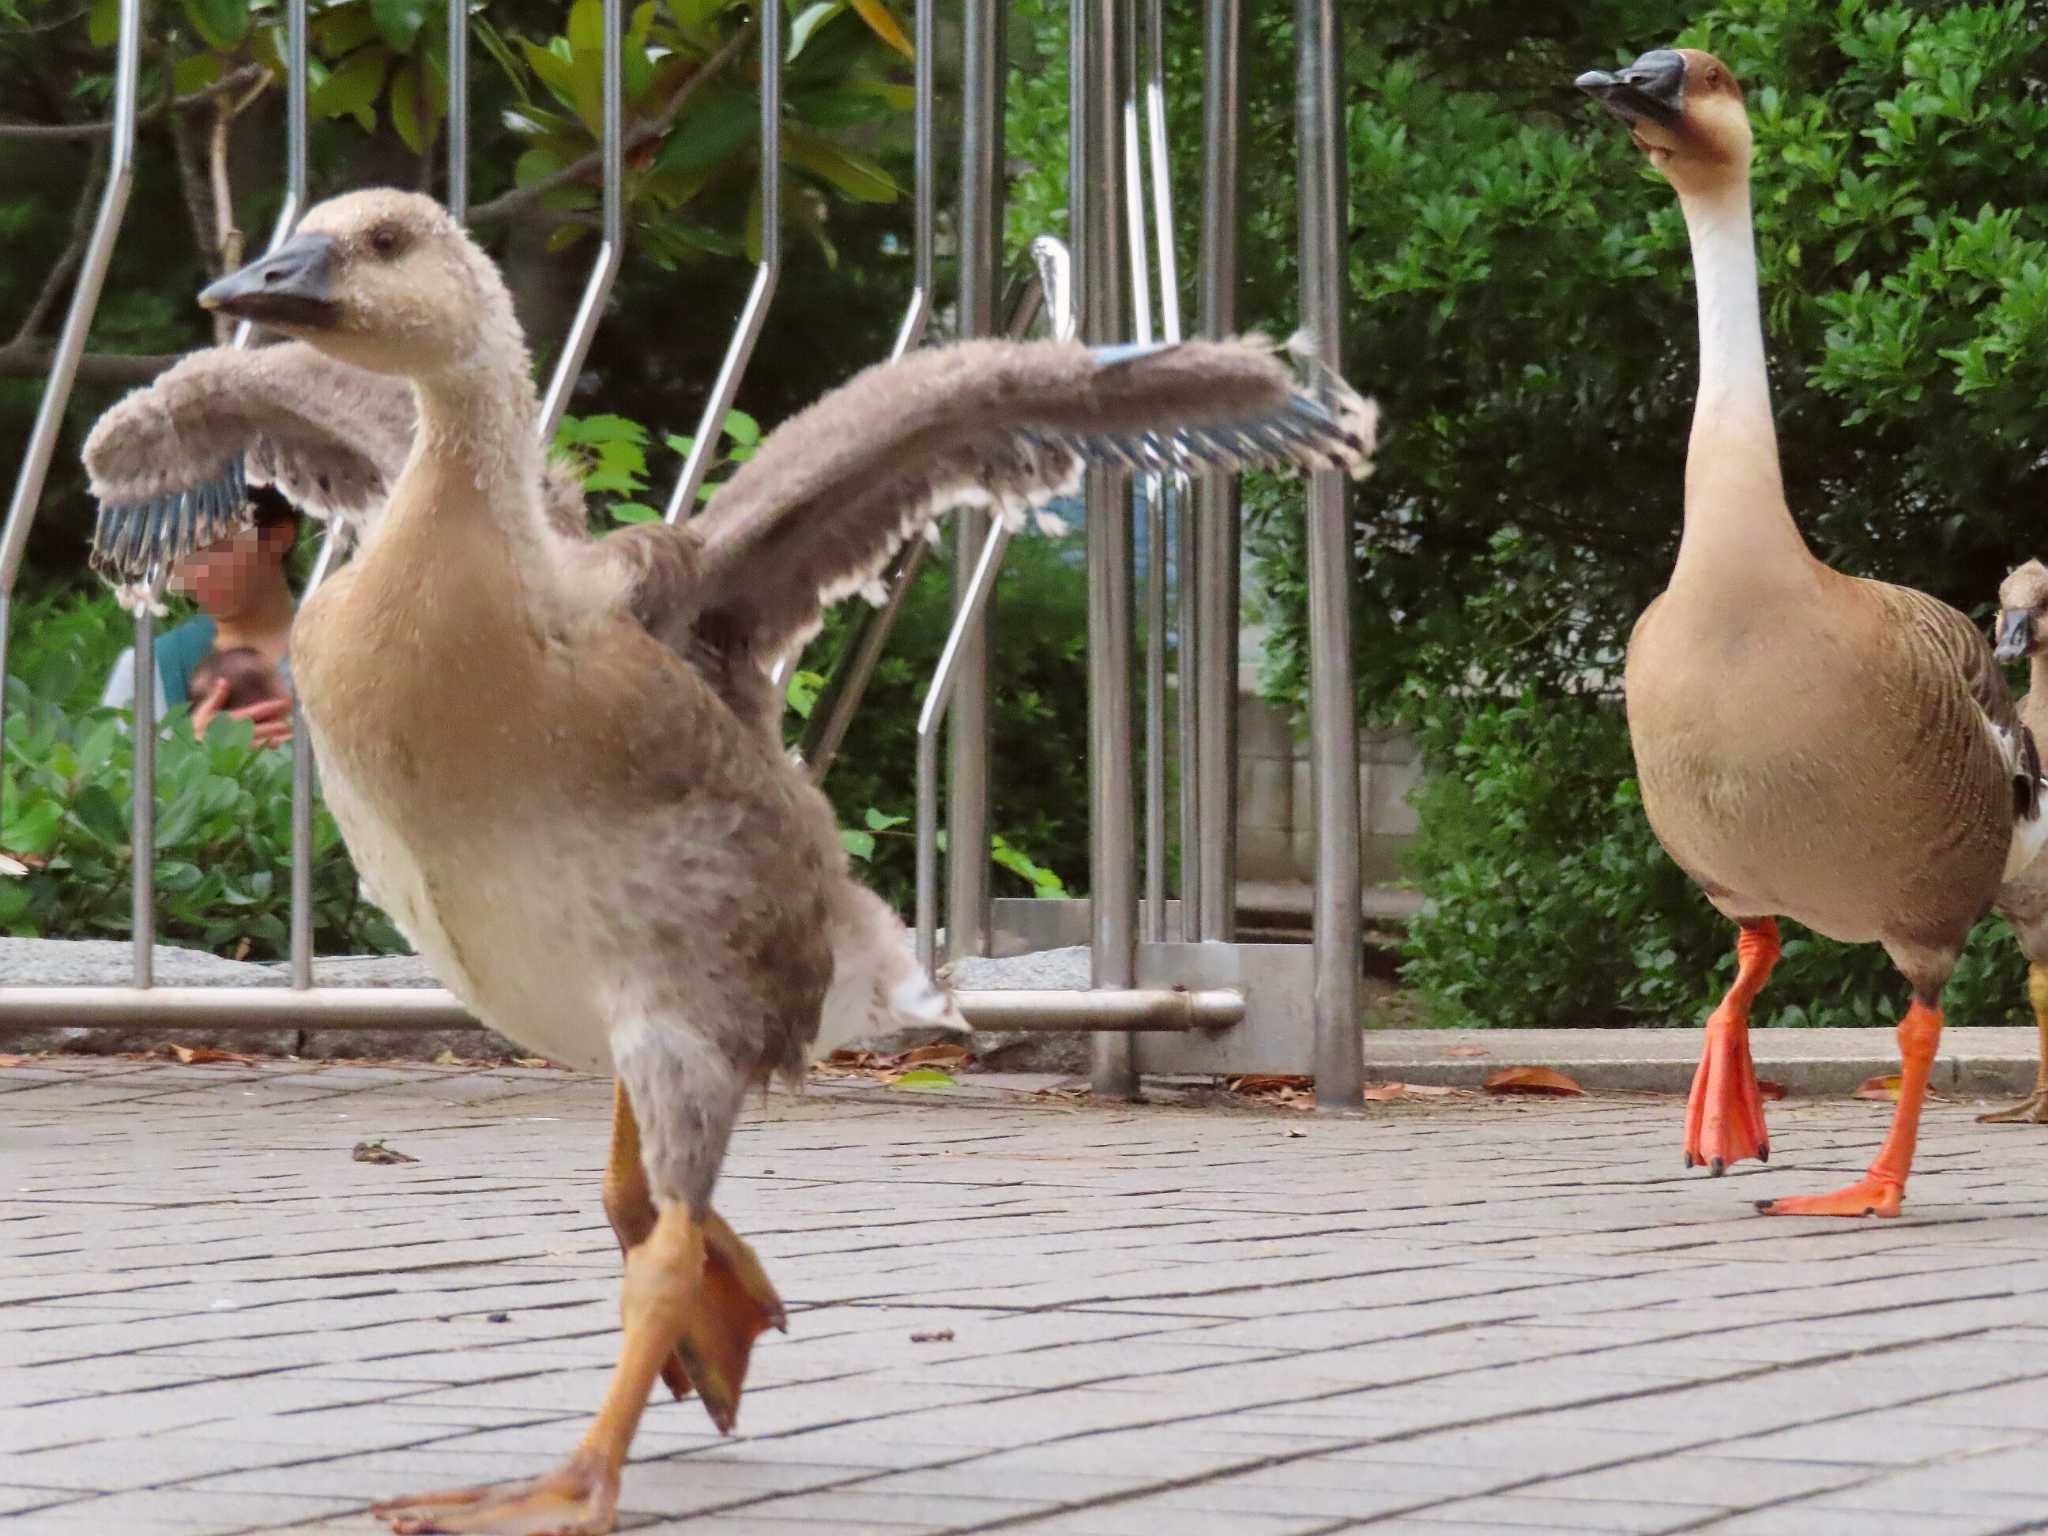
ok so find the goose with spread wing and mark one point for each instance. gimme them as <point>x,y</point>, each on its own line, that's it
<point>565,795</point>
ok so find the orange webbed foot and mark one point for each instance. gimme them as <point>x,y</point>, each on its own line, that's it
<point>1868,1196</point>
<point>579,1498</point>
<point>2032,1110</point>
<point>1724,1117</point>
<point>735,1304</point>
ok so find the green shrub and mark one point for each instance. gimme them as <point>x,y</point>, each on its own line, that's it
<point>223,821</point>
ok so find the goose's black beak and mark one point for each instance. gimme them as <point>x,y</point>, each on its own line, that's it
<point>292,286</point>
<point>2015,634</point>
<point>1650,90</point>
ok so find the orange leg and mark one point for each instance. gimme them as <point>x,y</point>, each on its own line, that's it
<point>581,1496</point>
<point>1724,1117</point>
<point>736,1303</point>
<point>1880,1191</point>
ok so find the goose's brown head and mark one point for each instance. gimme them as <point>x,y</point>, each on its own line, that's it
<point>1684,112</point>
<point>383,279</point>
<point>2022,613</point>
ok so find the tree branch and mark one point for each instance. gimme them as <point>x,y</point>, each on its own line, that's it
<point>67,260</point>
<point>31,359</point>
<point>520,199</point>
<point>58,132</point>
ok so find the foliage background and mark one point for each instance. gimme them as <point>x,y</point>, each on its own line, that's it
<point>1520,302</point>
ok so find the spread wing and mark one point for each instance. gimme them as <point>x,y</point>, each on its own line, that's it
<point>831,495</point>
<point>172,463</point>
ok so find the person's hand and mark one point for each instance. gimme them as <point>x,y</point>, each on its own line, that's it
<point>272,719</point>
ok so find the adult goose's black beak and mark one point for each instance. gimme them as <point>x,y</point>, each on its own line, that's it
<point>2015,634</point>
<point>293,286</point>
<point>1650,90</point>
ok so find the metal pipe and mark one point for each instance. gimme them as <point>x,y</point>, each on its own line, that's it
<point>301,950</point>
<point>1095,196</point>
<point>1215,544</point>
<point>611,249</point>
<point>915,318</point>
<point>1152,1009</point>
<point>1154,908</point>
<point>42,441</point>
<point>295,96</point>
<point>944,687</point>
<point>142,805</point>
<point>979,232</point>
<point>458,108</point>
<point>1333,723</point>
<point>754,314</point>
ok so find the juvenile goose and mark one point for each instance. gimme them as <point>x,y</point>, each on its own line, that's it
<point>567,798</point>
<point>2023,631</point>
<point>1810,745</point>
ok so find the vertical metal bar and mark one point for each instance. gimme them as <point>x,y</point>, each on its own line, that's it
<point>974,601</point>
<point>1154,910</point>
<point>142,804</point>
<point>576,345</point>
<point>922,214</point>
<point>1095,196</point>
<point>294,206</point>
<point>755,311</point>
<point>1333,725</point>
<point>458,108</point>
<point>302,796</point>
<point>1216,537</point>
<point>42,441</point>
<point>980,235</point>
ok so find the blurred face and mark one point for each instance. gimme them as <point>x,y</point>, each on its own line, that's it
<point>223,577</point>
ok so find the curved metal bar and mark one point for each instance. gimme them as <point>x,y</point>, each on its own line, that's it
<point>1048,287</point>
<point>458,108</point>
<point>1333,704</point>
<point>294,206</point>
<point>755,312</point>
<point>576,345</point>
<point>42,445</point>
<point>946,678</point>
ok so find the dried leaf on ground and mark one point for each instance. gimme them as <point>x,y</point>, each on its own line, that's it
<point>1769,1089</point>
<point>1072,1093</point>
<point>15,1061</point>
<point>1880,1087</point>
<point>1468,1050</point>
<point>206,1055</point>
<point>538,1061</point>
<point>1536,1080</point>
<point>940,1055</point>
<point>936,1336</point>
<point>377,1152</point>
<point>1282,1090</point>
<point>1381,1093</point>
<point>897,1066</point>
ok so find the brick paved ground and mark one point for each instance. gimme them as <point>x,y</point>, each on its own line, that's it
<point>1478,1316</point>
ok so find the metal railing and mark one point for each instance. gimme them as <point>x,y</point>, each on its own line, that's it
<point>1153,1002</point>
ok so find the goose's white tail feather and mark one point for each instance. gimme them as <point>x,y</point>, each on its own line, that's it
<point>877,985</point>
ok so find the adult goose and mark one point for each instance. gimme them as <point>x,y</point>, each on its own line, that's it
<point>2023,632</point>
<point>1810,745</point>
<point>565,794</point>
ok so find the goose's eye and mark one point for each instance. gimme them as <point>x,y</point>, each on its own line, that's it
<point>385,242</point>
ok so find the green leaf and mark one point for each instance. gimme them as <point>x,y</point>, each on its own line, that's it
<point>552,68</point>
<point>802,692</point>
<point>586,49</point>
<point>742,428</point>
<point>633,512</point>
<point>879,822</point>
<point>808,21</point>
<point>414,115</point>
<point>100,816</point>
<point>103,23</point>
<point>342,32</point>
<point>854,174</point>
<point>718,123</point>
<point>400,21</point>
<point>352,90</point>
<point>195,72</point>
<point>222,23</point>
<point>858,844</point>
<point>922,1078</point>
<point>33,830</point>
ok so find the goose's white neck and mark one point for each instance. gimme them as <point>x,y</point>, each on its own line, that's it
<point>1736,521</point>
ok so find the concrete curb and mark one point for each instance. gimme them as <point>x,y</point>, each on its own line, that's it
<point>1983,1062</point>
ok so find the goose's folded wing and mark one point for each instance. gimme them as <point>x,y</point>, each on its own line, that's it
<point>832,494</point>
<point>171,464</point>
